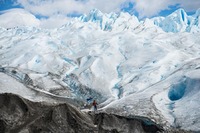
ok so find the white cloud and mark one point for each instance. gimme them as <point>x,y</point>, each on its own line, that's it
<point>18,17</point>
<point>189,5</point>
<point>52,7</point>
<point>149,8</point>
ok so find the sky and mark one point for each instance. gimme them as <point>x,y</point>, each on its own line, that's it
<point>48,11</point>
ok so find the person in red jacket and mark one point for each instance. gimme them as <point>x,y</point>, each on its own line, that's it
<point>95,105</point>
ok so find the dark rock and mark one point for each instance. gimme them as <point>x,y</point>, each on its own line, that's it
<point>2,69</point>
<point>119,124</point>
<point>2,126</point>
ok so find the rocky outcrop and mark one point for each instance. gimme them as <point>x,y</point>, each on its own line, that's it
<point>21,115</point>
<point>110,123</point>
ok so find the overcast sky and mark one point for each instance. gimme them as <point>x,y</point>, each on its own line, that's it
<point>51,10</point>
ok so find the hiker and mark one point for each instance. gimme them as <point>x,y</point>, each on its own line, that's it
<point>94,105</point>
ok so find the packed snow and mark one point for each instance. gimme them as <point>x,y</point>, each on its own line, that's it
<point>131,67</point>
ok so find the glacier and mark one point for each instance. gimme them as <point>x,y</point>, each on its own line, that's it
<point>148,68</point>
<point>179,21</point>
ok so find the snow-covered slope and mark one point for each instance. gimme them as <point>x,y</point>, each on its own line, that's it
<point>129,67</point>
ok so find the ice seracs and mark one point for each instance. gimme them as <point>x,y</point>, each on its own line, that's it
<point>111,21</point>
<point>178,21</point>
